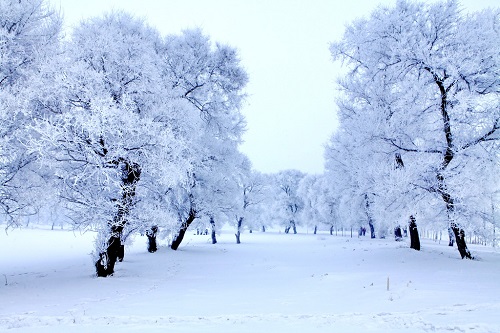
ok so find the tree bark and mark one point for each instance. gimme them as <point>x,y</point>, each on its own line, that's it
<point>214,237</point>
<point>121,252</point>
<point>447,158</point>
<point>398,235</point>
<point>151,234</point>
<point>131,173</point>
<point>458,232</point>
<point>369,216</point>
<point>105,266</point>
<point>238,229</point>
<point>182,231</point>
<point>372,229</point>
<point>414,237</point>
<point>461,245</point>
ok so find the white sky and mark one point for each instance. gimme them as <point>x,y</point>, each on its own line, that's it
<point>283,45</point>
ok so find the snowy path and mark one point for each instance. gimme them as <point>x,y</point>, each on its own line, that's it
<point>270,283</point>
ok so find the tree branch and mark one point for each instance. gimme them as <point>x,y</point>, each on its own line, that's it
<point>412,150</point>
<point>486,136</point>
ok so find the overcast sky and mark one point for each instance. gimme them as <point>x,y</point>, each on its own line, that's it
<point>283,45</point>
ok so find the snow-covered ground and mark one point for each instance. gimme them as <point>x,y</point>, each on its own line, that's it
<point>272,282</point>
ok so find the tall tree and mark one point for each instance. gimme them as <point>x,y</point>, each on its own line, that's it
<point>250,186</point>
<point>109,129</point>
<point>427,77</point>
<point>209,80</point>
<point>29,35</point>
<point>288,204</point>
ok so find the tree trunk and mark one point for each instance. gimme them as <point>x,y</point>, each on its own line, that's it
<point>214,237</point>
<point>151,234</point>
<point>398,235</point>
<point>414,238</point>
<point>447,158</point>
<point>461,245</point>
<point>105,266</point>
<point>372,229</point>
<point>182,231</point>
<point>121,252</point>
<point>458,232</point>
<point>315,229</point>
<point>369,216</point>
<point>263,228</point>
<point>331,230</point>
<point>294,227</point>
<point>238,229</point>
<point>115,250</point>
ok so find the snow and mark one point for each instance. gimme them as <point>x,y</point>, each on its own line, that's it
<point>272,282</point>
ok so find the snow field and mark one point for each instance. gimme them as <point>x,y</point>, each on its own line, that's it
<point>271,282</point>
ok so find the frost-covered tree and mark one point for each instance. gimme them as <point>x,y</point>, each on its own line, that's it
<point>423,82</point>
<point>287,202</point>
<point>111,130</point>
<point>344,163</point>
<point>251,193</point>
<point>261,213</point>
<point>320,203</point>
<point>29,35</point>
<point>209,80</point>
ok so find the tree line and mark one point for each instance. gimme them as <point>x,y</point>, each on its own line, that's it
<point>127,131</point>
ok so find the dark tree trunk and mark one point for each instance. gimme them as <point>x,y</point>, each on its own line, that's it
<point>369,215</point>
<point>414,238</point>
<point>105,266</point>
<point>238,229</point>
<point>151,234</point>
<point>458,232</point>
<point>121,252</point>
<point>315,229</point>
<point>331,230</point>
<point>447,158</point>
<point>372,229</point>
<point>263,228</point>
<point>101,265</point>
<point>287,229</point>
<point>182,231</point>
<point>461,245</point>
<point>115,250</point>
<point>294,227</point>
<point>398,235</point>
<point>214,237</point>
